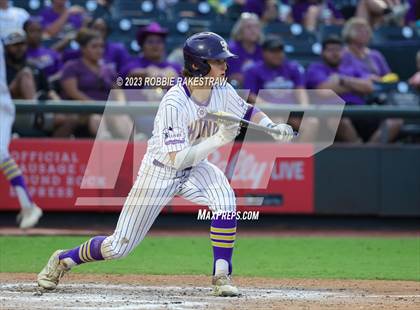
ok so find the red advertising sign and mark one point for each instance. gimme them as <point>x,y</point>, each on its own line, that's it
<point>84,175</point>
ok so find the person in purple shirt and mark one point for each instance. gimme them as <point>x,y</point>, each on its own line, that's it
<point>151,63</point>
<point>352,84</point>
<point>43,58</point>
<point>275,71</point>
<point>88,78</point>
<point>357,34</point>
<point>57,19</point>
<point>348,82</point>
<point>246,38</point>
<point>277,80</point>
<point>310,12</point>
<point>115,54</point>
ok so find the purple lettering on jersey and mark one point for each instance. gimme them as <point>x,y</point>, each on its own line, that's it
<point>173,136</point>
<point>202,129</point>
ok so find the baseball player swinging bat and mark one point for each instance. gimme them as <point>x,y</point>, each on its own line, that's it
<point>224,116</point>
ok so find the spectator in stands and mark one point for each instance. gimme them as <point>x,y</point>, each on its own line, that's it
<point>151,63</point>
<point>58,20</point>
<point>246,38</point>
<point>414,81</point>
<point>25,81</point>
<point>267,10</point>
<point>310,12</point>
<point>11,18</point>
<point>353,84</point>
<point>357,34</point>
<point>87,79</point>
<point>115,53</point>
<point>43,58</point>
<point>275,79</point>
<point>349,82</point>
<point>376,12</point>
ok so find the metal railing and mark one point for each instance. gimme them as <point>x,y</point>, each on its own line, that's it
<point>138,107</point>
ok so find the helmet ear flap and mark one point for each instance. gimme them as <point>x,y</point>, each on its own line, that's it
<point>203,68</point>
<point>196,67</point>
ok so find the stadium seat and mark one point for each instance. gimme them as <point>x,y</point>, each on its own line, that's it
<point>401,58</point>
<point>328,30</point>
<point>392,35</point>
<point>186,26</point>
<point>222,27</point>
<point>138,9</point>
<point>197,10</point>
<point>293,31</point>
<point>302,51</point>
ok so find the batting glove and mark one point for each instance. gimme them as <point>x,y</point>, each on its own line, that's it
<point>227,132</point>
<point>285,134</point>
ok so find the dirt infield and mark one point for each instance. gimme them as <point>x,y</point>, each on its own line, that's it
<point>19,291</point>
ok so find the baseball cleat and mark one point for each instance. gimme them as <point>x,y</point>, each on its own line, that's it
<point>223,286</point>
<point>29,217</point>
<point>49,277</point>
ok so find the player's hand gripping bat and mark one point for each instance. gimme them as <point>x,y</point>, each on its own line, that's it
<point>230,118</point>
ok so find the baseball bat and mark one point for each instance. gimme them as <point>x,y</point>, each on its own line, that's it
<point>224,116</point>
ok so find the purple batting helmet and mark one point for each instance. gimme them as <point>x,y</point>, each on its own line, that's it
<point>203,46</point>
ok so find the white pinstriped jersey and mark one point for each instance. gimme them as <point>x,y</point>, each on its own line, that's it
<point>179,121</point>
<point>5,99</point>
<point>7,110</point>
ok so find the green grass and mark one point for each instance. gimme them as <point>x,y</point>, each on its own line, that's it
<point>288,257</point>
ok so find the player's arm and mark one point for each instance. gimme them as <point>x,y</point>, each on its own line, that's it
<point>237,106</point>
<point>192,155</point>
<point>255,115</point>
<point>175,140</point>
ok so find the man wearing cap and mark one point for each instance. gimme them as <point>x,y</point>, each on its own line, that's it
<point>20,78</point>
<point>275,79</point>
<point>11,17</point>
<point>24,80</point>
